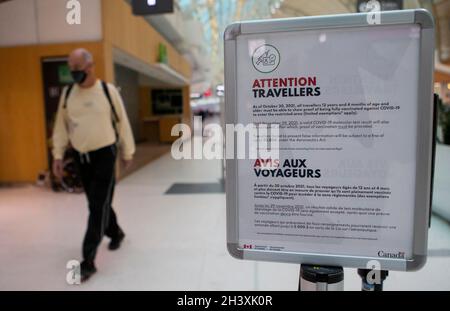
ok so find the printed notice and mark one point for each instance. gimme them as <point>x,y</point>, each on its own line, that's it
<point>345,101</point>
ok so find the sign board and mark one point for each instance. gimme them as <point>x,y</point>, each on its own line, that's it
<point>152,7</point>
<point>353,101</point>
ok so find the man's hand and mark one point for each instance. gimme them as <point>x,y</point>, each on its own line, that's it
<point>58,168</point>
<point>126,164</point>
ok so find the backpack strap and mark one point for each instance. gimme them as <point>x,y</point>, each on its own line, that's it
<point>108,96</point>
<point>66,96</point>
<point>115,118</point>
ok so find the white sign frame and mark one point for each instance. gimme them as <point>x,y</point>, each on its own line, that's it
<point>424,134</point>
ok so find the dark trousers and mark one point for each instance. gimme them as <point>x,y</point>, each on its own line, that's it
<point>98,176</point>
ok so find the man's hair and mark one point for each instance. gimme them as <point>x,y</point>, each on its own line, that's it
<point>87,56</point>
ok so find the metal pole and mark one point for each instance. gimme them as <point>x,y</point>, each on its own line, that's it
<point>321,278</point>
<point>374,285</point>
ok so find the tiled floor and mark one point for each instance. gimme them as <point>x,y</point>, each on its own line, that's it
<point>174,242</point>
<point>146,152</point>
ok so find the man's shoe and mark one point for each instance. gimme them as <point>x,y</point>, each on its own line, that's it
<point>87,269</point>
<point>115,242</point>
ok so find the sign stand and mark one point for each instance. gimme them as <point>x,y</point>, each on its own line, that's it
<point>321,278</point>
<point>328,278</point>
<point>366,286</point>
<point>353,138</point>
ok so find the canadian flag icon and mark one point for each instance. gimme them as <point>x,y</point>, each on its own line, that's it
<point>248,246</point>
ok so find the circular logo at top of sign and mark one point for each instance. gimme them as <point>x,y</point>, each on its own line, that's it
<point>266,58</point>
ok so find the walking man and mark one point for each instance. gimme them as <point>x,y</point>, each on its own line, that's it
<point>91,117</point>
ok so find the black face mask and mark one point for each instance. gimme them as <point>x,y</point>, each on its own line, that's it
<point>79,76</point>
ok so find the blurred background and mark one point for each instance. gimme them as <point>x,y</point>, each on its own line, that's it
<point>168,65</point>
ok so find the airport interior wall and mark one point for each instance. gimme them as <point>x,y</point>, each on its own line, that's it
<point>133,35</point>
<point>22,110</point>
<point>127,81</point>
<point>23,145</point>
